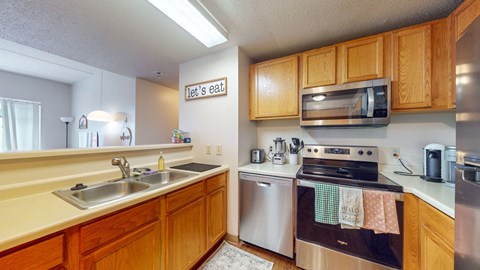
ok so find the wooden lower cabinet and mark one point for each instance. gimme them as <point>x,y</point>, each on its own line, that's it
<point>137,250</point>
<point>129,239</point>
<point>428,236</point>
<point>186,241</point>
<point>216,216</point>
<point>173,231</point>
<point>436,238</point>
<point>192,228</point>
<point>46,254</point>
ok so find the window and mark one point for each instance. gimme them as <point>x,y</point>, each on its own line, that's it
<point>19,125</point>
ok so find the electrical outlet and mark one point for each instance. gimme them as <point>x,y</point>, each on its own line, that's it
<point>270,148</point>
<point>209,149</point>
<point>219,149</point>
<point>395,152</point>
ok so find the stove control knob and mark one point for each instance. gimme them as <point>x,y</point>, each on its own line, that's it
<point>309,150</point>
<point>360,152</point>
<point>315,150</point>
<point>369,153</point>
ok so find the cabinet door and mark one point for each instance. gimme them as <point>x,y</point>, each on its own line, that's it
<point>363,59</point>
<point>274,89</point>
<point>464,15</point>
<point>411,84</point>
<point>411,253</point>
<point>137,250</point>
<point>186,236</point>
<point>319,67</point>
<point>216,216</point>
<point>44,255</point>
<point>436,239</point>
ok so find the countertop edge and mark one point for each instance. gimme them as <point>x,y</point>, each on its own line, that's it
<point>407,182</point>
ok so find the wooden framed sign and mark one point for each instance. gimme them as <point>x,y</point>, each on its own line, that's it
<point>217,87</point>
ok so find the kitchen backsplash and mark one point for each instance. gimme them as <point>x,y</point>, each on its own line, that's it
<point>409,132</point>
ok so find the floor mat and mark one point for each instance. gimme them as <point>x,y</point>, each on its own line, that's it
<point>230,257</point>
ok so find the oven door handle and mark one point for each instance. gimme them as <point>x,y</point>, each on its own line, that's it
<point>310,184</point>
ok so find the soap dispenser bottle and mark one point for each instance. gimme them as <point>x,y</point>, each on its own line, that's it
<point>161,163</point>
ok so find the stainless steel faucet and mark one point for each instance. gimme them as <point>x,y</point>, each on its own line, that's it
<point>124,167</point>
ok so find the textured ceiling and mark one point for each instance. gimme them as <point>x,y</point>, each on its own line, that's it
<point>132,38</point>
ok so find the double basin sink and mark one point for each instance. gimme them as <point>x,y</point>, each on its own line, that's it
<point>107,192</point>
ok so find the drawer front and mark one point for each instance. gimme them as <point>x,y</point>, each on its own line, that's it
<point>102,231</point>
<point>216,182</point>
<point>180,198</point>
<point>44,255</point>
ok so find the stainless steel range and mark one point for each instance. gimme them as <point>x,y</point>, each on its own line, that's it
<point>325,246</point>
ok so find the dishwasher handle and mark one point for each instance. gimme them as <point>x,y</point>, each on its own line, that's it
<point>263,184</point>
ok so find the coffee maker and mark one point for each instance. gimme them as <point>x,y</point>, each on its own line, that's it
<point>435,167</point>
<point>280,149</point>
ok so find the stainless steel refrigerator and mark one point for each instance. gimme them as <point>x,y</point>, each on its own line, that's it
<point>467,191</point>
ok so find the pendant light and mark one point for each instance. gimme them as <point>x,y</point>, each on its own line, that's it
<point>100,115</point>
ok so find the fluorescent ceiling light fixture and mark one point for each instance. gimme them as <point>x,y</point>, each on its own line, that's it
<point>192,16</point>
<point>319,97</point>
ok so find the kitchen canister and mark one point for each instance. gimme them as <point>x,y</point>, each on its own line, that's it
<point>293,159</point>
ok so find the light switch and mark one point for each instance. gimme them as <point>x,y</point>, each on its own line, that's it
<point>219,149</point>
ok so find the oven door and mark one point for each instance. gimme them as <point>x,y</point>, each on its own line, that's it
<point>356,104</point>
<point>343,245</point>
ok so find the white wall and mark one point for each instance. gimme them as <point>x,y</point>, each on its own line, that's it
<point>247,139</point>
<point>410,132</point>
<point>215,120</point>
<point>156,112</point>
<point>55,98</point>
<point>118,98</point>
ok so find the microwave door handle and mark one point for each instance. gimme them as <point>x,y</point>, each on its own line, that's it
<point>371,102</point>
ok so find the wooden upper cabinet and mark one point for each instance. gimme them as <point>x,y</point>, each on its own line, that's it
<point>464,15</point>
<point>319,67</point>
<point>411,83</point>
<point>274,89</point>
<point>362,59</point>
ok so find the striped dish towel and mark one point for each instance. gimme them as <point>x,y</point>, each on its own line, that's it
<point>326,203</point>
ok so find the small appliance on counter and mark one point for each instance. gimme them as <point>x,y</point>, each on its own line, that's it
<point>450,160</point>
<point>435,167</point>
<point>280,149</point>
<point>257,156</point>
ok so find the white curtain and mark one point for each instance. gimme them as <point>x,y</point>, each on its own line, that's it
<point>21,125</point>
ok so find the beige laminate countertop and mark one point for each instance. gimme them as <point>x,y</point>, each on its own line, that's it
<point>30,217</point>
<point>438,195</point>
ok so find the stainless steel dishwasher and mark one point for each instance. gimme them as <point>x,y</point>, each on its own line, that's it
<point>266,212</point>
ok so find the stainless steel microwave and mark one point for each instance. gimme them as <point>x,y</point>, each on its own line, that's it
<point>355,104</point>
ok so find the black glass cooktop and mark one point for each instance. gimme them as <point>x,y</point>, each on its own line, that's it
<point>349,173</point>
<point>195,167</point>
